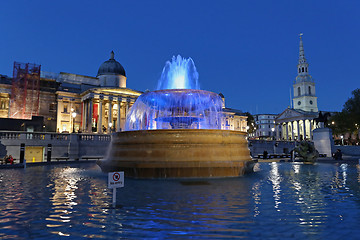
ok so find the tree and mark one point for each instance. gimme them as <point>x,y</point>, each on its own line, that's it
<point>348,120</point>
<point>250,123</point>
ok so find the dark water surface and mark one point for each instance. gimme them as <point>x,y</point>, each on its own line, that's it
<point>278,201</point>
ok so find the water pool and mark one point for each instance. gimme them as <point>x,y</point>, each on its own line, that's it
<point>278,201</point>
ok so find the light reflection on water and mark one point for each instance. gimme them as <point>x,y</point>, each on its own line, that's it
<point>279,200</point>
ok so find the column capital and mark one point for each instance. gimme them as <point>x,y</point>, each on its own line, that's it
<point>87,97</point>
<point>119,99</point>
<point>101,97</point>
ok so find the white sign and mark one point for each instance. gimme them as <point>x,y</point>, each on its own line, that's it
<point>116,179</point>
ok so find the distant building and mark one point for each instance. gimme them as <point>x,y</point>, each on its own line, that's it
<point>265,126</point>
<point>297,123</point>
<point>74,103</point>
<point>233,119</point>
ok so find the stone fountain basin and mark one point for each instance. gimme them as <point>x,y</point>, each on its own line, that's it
<point>178,153</point>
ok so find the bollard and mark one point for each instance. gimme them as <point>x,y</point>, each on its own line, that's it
<point>49,149</point>
<point>22,152</point>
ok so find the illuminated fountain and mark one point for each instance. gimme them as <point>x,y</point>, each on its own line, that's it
<point>175,132</point>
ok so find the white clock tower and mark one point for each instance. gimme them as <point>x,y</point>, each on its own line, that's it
<point>304,86</point>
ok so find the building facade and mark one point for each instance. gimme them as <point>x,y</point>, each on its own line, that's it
<point>265,126</point>
<point>298,123</point>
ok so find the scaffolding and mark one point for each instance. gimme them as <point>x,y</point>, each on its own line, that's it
<point>25,91</point>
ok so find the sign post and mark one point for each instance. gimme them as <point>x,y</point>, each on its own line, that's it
<point>115,180</point>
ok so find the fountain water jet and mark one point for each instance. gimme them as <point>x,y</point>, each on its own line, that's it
<point>176,132</point>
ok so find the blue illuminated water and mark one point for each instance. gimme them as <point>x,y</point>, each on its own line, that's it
<point>278,201</point>
<point>178,102</point>
<point>175,109</point>
<point>179,73</point>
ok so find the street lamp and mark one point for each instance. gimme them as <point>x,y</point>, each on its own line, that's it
<point>342,140</point>
<point>73,114</point>
<point>110,125</point>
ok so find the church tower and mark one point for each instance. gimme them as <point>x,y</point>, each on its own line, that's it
<point>304,86</point>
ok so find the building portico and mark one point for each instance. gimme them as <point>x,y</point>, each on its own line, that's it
<point>295,125</point>
<point>104,110</point>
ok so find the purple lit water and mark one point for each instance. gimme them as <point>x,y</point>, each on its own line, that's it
<point>175,109</point>
<point>278,201</point>
<point>178,103</point>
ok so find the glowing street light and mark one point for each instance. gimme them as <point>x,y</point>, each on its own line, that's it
<point>110,125</point>
<point>73,114</point>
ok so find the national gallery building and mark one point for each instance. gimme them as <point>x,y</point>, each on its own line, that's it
<point>35,100</point>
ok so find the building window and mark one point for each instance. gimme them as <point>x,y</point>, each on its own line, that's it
<point>302,69</point>
<point>65,108</point>
<point>309,90</point>
<point>52,107</point>
<point>299,91</point>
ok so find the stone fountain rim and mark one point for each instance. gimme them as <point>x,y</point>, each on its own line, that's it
<point>182,130</point>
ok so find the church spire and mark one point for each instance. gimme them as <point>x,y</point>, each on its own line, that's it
<point>302,58</point>
<point>302,65</point>
<point>304,86</point>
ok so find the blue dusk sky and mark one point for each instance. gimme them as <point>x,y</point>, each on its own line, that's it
<point>247,50</point>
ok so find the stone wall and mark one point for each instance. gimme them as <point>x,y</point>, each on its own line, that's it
<point>272,147</point>
<point>72,146</point>
<point>349,150</point>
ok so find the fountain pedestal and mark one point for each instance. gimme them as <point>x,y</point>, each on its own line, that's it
<point>323,141</point>
<point>179,153</point>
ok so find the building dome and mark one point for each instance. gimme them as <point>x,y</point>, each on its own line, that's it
<point>111,67</point>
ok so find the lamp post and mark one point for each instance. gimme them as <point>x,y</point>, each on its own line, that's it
<point>110,127</point>
<point>342,140</point>
<point>73,114</point>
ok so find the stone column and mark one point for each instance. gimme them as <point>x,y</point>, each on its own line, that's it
<point>127,106</point>
<point>83,115</point>
<point>304,129</point>
<point>311,132</point>
<point>118,114</point>
<point>90,114</point>
<point>277,132</point>
<point>287,131</point>
<point>292,131</point>
<point>298,129</point>
<point>110,113</point>
<point>99,126</point>
<point>60,108</point>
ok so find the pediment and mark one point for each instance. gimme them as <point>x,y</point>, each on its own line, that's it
<point>289,114</point>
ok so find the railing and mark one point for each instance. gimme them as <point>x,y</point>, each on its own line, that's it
<point>48,136</point>
<point>59,136</point>
<point>10,135</point>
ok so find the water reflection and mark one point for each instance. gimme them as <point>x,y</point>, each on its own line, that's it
<point>275,179</point>
<point>278,201</point>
